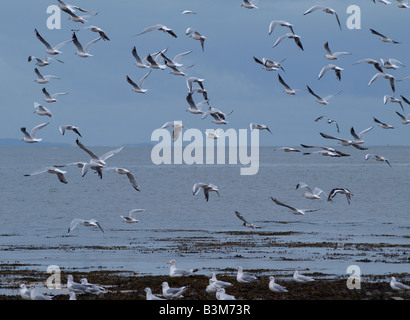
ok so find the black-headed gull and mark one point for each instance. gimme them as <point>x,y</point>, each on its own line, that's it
<point>398,286</point>
<point>88,223</point>
<point>281,23</point>
<point>382,124</point>
<point>329,121</point>
<point>336,191</point>
<point>76,18</point>
<point>372,61</point>
<point>319,99</point>
<point>194,108</point>
<point>288,149</point>
<point>132,214</point>
<point>69,127</point>
<point>58,172</point>
<point>293,36</point>
<point>129,174</point>
<point>246,223</point>
<point>138,62</point>
<point>288,89</point>
<point>333,55</point>
<point>42,62</point>
<point>301,278</point>
<point>328,149</point>
<point>31,138</point>
<point>160,27</point>
<point>69,8</point>
<point>404,120</point>
<point>83,52</point>
<point>391,64</point>
<point>310,194</point>
<point>155,64</point>
<point>177,128</point>
<point>243,277</point>
<point>383,37</point>
<point>43,79</point>
<point>268,64</point>
<point>324,9</point>
<point>138,87</point>
<point>196,36</point>
<point>42,111</point>
<point>393,100</point>
<point>206,187</point>
<point>51,50</point>
<point>276,287</point>
<point>218,115</point>
<point>385,76</point>
<point>338,71</point>
<point>175,61</point>
<point>253,126</point>
<point>50,98</point>
<point>293,209</point>
<point>150,296</point>
<point>96,29</point>
<point>358,138</point>
<point>176,272</point>
<point>176,71</point>
<point>377,158</point>
<point>250,4</point>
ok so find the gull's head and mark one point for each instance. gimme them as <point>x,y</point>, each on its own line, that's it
<point>172,262</point>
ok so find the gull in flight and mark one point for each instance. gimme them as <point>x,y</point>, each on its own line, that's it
<point>175,272</point>
<point>88,223</point>
<point>301,278</point>
<point>374,62</point>
<point>326,10</point>
<point>51,98</point>
<point>177,128</point>
<point>193,107</point>
<point>69,8</point>
<point>315,194</point>
<point>396,285</point>
<point>250,4</point>
<point>160,27</point>
<point>293,36</point>
<point>281,23</point>
<point>59,173</point>
<point>42,62</point>
<point>259,127</point>
<point>132,214</point>
<point>385,76</point>
<point>383,37</point>
<point>358,138</point>
<point>191,80</point>
<point>83,52</point>
<point>382,124</point>
<point>222,295</point>
<point>243,277</point>
<point>155,64</point>
<point>196,36</point>
<point>69,127</point>
<point>43,79</point>
<point>175,61</point>
<point>391,64</point>
<point>333,55</point>
<point>207,187</point>
<point>377,158</point>
<point>382,1</point>
<point>187,12</point>
<point>42,111</point>
<point>288,149</point>
<point>393,100</point>
<point>218,115</point>
<point>329,121</point>
<point>215,134</point>
<point>404,120</point>
<point>150,296</point>
<point>293,209</point>
<point>330,151</point>
<point>50,50</point>
<point>403,4</point>
<point>320,100</point>
<point>275,287</point>
<point>172,293</point>
<point>138,87</point>
<point>405,100</point>
<point>246,223</point>
<point>269,65</point>
<point>288,89</point>
<point>81,19</point>
<point>336,191</point>
<point>336,69</point>
<point>129,174</point>
<point>176,71</point>
<point>138,62</point>
<point>31,138</point>
<point>96,29</point>
<point>96,162</point>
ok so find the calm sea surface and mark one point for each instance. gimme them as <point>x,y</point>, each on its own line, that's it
<point>372,232</point>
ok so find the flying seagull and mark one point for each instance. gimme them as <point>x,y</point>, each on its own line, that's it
<point>69,8</point>
<point>259,127</point>
<point>382,124</point>
<point>293,209</point>
<point>320,100</point>
<point>333,55</point>
<point>58,172</point>
<point>333,67</point>
<point>177,128</point>
<point>42,111</point>
<point>196,36</point>
<point>42,62</point>
<point>129,174</point>
<point>160,27</point>
<point>138,62</point>
<point>336,191</point>
<point>206,187</point>
<point>193,107</point>
<point>138,87</point>
<point>328,149</point>
<point>325,9</point>
<point>43,79</point>
<point>385,76</point>
<point>393,100</point>
<point>131,218</point>
<point>288,89</point>
<point>329,121</point>
<point>83,52</point>
<point>383,37</point>
<point>315,194</point>
<point>245,222</point>
<point>69,127</point>
<point>51,50</point>
<point>281,23</point>
<point>250,4</point>
<point>295,37</point>
<point>268,64</point>
<point>31,138</point>
<point>404,120</point>
<point>88,223</point>
<point>374,62</point>
<point>96,29</point>
<point>377,158</point>
<point>51,97</point>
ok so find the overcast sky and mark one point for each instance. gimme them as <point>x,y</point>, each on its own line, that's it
<point>102,104</point>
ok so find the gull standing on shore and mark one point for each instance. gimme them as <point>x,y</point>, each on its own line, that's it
<point>398,286</point>
<point>275,287</point>
<point>301,278</point>
<point>243,277</point>
<point>175,272</point>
